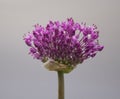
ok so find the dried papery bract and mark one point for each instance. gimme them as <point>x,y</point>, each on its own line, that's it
<point>55,66</point>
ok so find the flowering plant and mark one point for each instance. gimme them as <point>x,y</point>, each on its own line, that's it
<point>63,45</point>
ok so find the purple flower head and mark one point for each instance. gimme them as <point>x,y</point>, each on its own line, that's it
<point>67,42</point>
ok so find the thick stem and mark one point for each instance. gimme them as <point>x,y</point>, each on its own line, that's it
<point>60,85</point>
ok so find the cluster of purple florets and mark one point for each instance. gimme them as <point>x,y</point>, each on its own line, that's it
<point>67,42</point>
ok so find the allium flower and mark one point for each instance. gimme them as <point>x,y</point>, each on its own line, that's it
<point>63,45</point>
<point>67,42</point>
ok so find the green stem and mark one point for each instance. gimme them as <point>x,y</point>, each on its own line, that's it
<point>60,85</point>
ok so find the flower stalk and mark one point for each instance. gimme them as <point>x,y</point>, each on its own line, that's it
<point>60,85</point>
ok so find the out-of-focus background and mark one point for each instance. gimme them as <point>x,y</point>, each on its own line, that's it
<point>22,77</point>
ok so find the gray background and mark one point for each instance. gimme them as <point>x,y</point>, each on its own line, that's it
<point>22,77</point>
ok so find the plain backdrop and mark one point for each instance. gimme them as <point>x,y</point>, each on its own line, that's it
<point>22,77</point>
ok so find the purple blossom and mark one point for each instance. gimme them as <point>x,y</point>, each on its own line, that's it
<point>66,42</point>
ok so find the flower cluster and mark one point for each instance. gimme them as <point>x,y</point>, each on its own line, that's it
<point>67,42</point>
